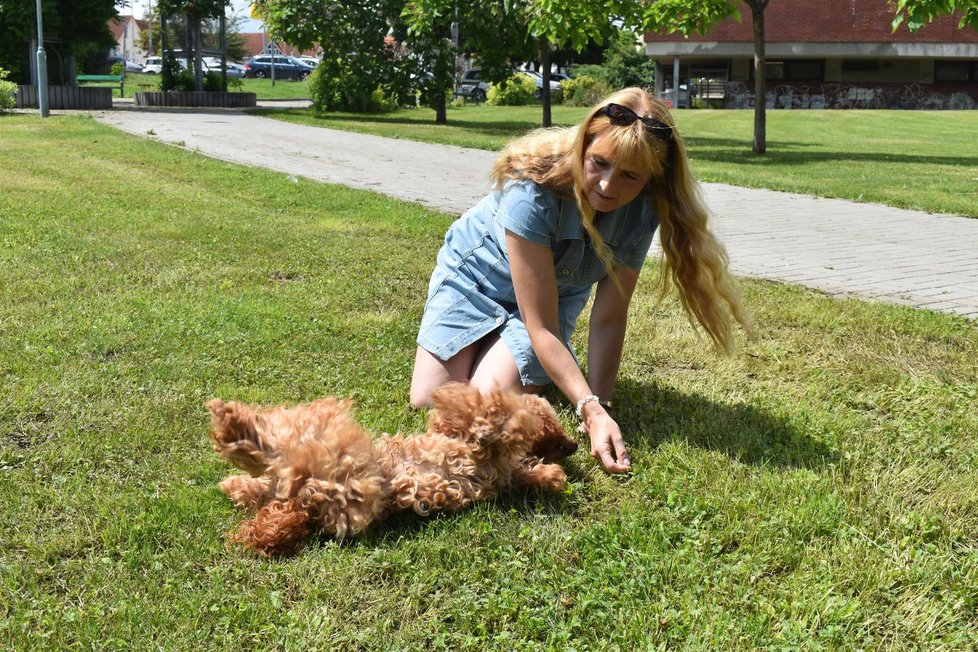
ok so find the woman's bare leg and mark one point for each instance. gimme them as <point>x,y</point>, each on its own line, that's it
<point>486,364</point>
<point>430,373</point>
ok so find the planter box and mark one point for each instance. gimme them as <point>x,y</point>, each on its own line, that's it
<point>66,97</point>
<point>197,99</point>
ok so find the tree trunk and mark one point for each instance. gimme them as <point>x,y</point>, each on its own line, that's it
<point>545,74</point>
<point>441,109</point>
<point>757,8</point>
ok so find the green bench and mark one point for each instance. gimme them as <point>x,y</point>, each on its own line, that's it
<point>121,79</point>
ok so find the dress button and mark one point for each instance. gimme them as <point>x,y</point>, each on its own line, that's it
<point>565,271</point>
<point>499,320</point>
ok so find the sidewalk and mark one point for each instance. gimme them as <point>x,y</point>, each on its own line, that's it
<point>841,247</point>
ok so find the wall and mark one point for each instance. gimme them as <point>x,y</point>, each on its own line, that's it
<point>740,95</point>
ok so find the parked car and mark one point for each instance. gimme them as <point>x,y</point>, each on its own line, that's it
<point>309,61</point>
<point>538,80</point>
<point>129,66</point>
<point>285,67</point>
<point>233,69</point>
<point>154,65</point>
<point>472,86</point>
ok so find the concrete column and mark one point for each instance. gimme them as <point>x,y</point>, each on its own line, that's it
<point>675,82</point>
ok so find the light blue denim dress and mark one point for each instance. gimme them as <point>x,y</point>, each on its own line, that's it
<point>471,291</point>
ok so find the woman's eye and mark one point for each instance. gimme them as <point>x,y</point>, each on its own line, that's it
<point>629,176</point>
<point>600,162</point>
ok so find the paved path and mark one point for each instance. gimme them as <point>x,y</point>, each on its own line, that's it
<point>841,247</point>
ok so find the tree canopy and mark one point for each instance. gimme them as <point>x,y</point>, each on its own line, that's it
<point>70,27</point>
<point>918,13</point>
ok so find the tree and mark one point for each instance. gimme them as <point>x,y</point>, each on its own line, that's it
<point>917,13</point>
<point>494,31</point>
<point>71,27</point>
<point>686,17</point>
<point>504,32</point>
<point>559,23</point>
<point>361,68</point>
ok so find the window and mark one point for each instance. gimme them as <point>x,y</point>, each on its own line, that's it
<point>955,71</point>
<point>804,70</point>
<point>793,70</point>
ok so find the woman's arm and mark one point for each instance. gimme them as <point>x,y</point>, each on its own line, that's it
<point>535,284</point>
<point>606,333</point>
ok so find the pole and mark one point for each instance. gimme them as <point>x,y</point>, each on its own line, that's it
<point>42,67</point>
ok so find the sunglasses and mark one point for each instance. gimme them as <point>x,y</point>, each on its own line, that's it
<point>623,116</point>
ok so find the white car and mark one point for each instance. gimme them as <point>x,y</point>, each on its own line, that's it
<point>153,65</point>
<point>309,61</point>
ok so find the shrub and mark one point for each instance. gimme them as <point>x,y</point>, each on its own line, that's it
<point>626,64</point>
<point>518,90</point>
<point>584,91</point>
<point>117,69</point>
<point>7,92</point>
<point>336,86</point>
<point>174,76</point>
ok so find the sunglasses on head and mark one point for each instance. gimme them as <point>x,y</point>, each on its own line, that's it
<point>623,116</point>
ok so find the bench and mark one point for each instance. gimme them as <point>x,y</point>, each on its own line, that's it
<point>121,79</point>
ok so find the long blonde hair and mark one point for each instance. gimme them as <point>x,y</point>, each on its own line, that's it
<point>695,261</point>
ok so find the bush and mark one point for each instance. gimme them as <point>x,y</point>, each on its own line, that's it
<point>333,87</point>
<point>117,69</point>
<point>8,89</point>
<point>626,64</point>
<point>518,90</point>
<point>584,91</point>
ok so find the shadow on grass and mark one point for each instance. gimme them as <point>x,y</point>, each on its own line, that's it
<point>789,153</point>
<point>651,415</point>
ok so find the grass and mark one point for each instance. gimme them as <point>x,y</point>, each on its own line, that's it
<point>818,490</point>
<point>925,160</point>
<point>264,89</point>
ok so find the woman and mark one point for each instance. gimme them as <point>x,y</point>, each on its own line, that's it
<point>572,208</point>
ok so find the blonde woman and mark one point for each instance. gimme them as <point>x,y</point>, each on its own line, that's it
<point>572,209</point>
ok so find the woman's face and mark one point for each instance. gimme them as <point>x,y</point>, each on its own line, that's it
<point>609,182</point>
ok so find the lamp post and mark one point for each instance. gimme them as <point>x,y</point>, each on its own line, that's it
<point>42,67</point>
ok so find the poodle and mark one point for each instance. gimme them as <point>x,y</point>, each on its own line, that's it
<point>313,466</point>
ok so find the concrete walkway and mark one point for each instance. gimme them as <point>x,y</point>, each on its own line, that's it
<point>843,248</point>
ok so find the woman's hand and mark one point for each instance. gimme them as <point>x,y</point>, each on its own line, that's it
<point>607,444</point>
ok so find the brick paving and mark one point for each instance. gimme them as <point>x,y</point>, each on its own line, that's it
<point>841,247</point>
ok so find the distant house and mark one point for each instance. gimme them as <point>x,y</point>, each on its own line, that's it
<point>256,43</point>
<point>828,54</point>
<point>126,31</point>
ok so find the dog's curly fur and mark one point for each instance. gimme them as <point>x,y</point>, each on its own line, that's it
<point>313,466</point>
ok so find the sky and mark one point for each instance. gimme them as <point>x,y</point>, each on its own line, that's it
<point>238,8</point>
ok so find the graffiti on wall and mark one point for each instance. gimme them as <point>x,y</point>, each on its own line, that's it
<point>852,96</point>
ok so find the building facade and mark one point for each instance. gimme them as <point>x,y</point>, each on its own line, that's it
<point>832,54</point>
<point>126,31</point>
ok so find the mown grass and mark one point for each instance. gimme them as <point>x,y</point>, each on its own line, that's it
<point>287,89</point>
<point>815,491</point>
<point>926,160</point>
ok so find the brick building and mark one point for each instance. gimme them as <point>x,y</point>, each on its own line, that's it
<point>826,54</point>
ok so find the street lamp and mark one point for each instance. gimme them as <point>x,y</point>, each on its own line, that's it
<point>42,67</point>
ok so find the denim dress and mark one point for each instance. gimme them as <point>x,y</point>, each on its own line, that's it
<point>471,290</point>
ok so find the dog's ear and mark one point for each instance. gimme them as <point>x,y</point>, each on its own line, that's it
<point>277,529</point>
<point>550,440</point>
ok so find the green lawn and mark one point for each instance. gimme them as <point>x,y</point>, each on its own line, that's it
<point>817,490</point>
<point>925,160</point>
<point>264,89</point>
